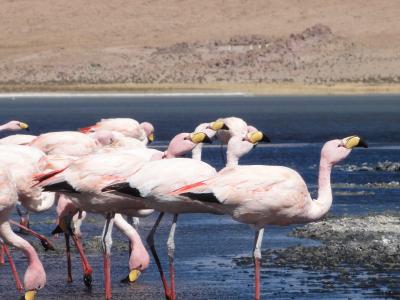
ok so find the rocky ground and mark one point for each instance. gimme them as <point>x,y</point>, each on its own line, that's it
<point>189,43</point>
<point>349,246</point>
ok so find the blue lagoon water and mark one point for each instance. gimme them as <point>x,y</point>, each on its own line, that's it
<point>206,244</point>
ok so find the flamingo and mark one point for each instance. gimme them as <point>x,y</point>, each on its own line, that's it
<point>156,179</point>
<point>35,276</point>
<point>18,139</point>
<point>85,178</point>
<point>261,195</point>
<point>223,129</point>
<point>14,126</point>
<point>128,127</point>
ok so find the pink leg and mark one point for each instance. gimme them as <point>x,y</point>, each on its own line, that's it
<point>106,246</point>
<point>87,269</point>
<point>47,245</point>
<point>18,283</point>
<point>257,278</point>
<point>257,261</point>
<point>66,209</point>
<point>2,254</point>
<point>107,276</point>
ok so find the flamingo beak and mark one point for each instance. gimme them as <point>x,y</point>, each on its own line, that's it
<point>29,295</point>
<point>218,125</point>
<point>354,141</point>
<point>150,137</point>
<point>258,136</point>
<point>200,137</point>
<point>132,277</point>
<point>24,126</point>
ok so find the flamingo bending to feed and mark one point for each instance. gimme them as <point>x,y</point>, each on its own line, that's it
<point>35,276</point>
<point>14,126</point>
<point>259,195</point>
<point>128,127</point>
<point>85,178</point>
<point>157,179</point>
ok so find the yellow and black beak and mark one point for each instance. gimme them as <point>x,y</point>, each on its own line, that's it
<point>23,125</point>
<point>354,141</point>
<point>257,136</point>
<point>132,277</point>
<point>150,137</point>
<point>29,295</point>
<point>200,137</point>
<point>218,125</point>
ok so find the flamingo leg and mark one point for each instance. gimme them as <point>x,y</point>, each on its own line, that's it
<point>257,261</point>
<point>24,218</point>
<point>18,282</point>
<point>65,222</point>
<point>47,245</point>
<point>171,251</point>
<point>106,243</point>
<point>68,252</point>
<point>150,242</point>
<point>2,262</point>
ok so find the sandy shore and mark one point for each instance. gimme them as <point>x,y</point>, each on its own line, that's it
<point>210,89</point>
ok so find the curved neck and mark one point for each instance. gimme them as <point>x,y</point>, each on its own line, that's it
<point>321,206</point>
<point>15,240</point>
<point>37,201</point>
<point>134,238</point>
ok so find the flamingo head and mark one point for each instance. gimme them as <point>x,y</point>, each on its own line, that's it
<point>218,125</point>
<point>34,280</point>
<point>104,137</point>
<point>184,143</point>
<point>239,146</point>
<point>149,130</point>
<point>337,150</point>
<point>16,125</point>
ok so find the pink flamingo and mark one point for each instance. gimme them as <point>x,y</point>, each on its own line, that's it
<point>128,127</point>
<point>259,195</point>
<point>14,126</point>
<point>35,276</point>
<point>157,179</point>
<point>85,178</point>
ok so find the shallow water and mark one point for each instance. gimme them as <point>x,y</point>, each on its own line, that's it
<point>207,244</point>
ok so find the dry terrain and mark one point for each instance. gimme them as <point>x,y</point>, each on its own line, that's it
<point>46,44</point>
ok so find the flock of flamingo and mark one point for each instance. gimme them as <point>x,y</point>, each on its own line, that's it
<point>109,169</point>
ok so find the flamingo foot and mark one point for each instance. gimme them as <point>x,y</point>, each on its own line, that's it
<point>87,280</point>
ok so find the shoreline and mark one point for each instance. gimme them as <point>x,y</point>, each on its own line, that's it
<point>215,89</point>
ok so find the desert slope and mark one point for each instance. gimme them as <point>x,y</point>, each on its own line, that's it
<point>154,41</point>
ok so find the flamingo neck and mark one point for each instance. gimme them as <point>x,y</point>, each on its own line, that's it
<point>35,266</point>
<point>4,127</point>
<point>232,160</point>
<point>321,206</point>
<point>139,258</point>
<point>196,152</point>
